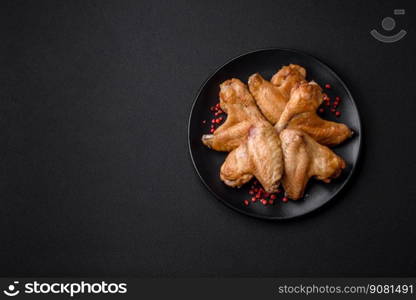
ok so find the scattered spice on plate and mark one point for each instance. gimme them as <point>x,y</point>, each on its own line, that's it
<point>258,194</point>
<point>331,102</point>
<point>217,117</point>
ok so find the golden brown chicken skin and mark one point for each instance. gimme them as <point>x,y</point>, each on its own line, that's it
<point>287,77</point>
<point>300,113</point>
<point>242,113</point>
<point>305,158</point>
<point>271,97</point>
<point>252,140</point>
<point>260,156</point>
<point>305,97</point>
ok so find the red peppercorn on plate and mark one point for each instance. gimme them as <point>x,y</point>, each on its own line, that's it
<point>274,134</point>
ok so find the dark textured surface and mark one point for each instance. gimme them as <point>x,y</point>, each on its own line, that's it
<point>95,175</point>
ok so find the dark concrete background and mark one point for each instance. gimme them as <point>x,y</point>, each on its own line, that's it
<point>95,175</point>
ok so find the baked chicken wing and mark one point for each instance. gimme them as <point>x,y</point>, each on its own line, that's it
<point>252,140</point>
<point>300,113</point>
<point>305,158</point>
<point>271,97</point>
<point>260,156</point>
<point>242,113</point>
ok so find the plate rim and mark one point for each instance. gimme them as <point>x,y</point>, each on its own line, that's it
<point>254,215</point>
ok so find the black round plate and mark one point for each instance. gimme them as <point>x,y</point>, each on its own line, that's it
<point>207,162</point>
